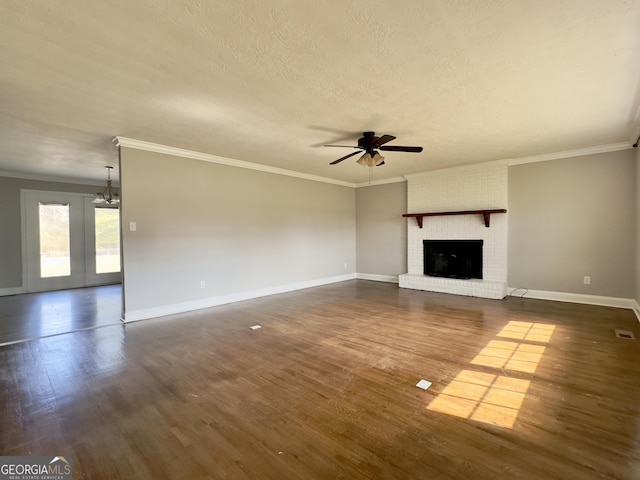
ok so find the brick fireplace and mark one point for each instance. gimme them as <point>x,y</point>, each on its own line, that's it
<point>472,187</point>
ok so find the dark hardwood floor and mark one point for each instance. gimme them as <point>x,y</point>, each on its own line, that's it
<point>36,315</point>
<point>326,390</point>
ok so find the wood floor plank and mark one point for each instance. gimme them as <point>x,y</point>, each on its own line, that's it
<point>36,315</point>
<point>326,389</point>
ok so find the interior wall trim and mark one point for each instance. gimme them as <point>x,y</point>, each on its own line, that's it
<point>586,299</point>
<point>378,278</point>
<point>206,157</point>
<point>452,170</point>
<point>4,292</point>
<point>636,309</point>
<point>612,147</point>
<point>147,313</point>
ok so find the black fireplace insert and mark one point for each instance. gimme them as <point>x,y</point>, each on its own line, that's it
<point>453,258</point>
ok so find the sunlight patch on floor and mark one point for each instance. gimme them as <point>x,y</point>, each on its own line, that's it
<point>496,398</point>
<point>533,332</point>
<point>520,357</point>
<point>483,397</point>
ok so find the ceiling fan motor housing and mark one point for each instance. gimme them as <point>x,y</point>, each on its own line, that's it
<point>367,141</point>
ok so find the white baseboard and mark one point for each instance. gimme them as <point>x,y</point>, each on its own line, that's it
<point>378,278</point>
<point>579,298</point>
<point>161,311</point>
<point>636,309</point>
<point>12,291</point>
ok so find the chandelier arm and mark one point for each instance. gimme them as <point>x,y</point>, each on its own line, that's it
<point>108,195</point>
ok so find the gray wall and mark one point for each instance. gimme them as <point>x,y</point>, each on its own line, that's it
<point>10,223</point>
<point>637,292</point>
<point>381,232</point>
<point>241,229</point>
<point>574,217</point>
<point>238,230</point>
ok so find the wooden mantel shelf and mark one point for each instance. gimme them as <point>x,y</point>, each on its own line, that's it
<point>486,214</point>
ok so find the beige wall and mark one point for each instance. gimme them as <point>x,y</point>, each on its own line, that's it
<point>238,230</point>
<point>574,217</point>
<point>381,232</point>
<point>10,223</point>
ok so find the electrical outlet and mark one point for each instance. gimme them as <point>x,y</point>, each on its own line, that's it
<point>132,226</point>
<point>202,283</point>
<point>345,264</point>
<point>587,280</point>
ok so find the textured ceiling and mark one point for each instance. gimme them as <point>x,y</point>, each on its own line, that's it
<point>270,82</point>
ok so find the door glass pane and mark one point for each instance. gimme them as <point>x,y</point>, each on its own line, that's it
<point>55,258</point>
<point>107,221</point>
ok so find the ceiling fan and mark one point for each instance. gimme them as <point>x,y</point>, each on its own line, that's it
<point>371,144</point>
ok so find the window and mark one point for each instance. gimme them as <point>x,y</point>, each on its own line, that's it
<point>55,255</point>
<point>107,229</point>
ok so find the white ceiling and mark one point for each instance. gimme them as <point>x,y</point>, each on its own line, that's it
<point>270,82</point>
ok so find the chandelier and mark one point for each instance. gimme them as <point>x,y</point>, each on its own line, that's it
<point>108,195</point>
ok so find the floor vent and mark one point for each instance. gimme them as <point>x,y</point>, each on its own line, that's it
<point>625,334</point>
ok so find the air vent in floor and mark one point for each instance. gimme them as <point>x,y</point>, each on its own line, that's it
<point>625,334</point>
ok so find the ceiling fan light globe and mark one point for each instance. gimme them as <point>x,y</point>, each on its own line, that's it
<point>365,160</point>
<point>377,159</point>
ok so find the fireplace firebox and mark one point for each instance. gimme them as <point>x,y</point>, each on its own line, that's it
<point>453,258</point>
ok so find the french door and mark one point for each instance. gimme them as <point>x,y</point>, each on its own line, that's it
<point>68,241</point>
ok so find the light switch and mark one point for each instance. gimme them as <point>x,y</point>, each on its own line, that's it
<point>132,226</point>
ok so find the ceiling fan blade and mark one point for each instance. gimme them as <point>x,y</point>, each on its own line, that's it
<point>383,139</point>
<point>344,158</point>
<point>344,146</point>
<point>397,148</point>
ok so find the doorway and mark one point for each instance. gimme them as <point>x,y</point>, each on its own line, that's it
<point>68,241</point>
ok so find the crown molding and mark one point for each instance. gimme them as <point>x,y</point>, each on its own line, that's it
<point>612,147</point>
<point>52,178</point>
<point>206,157</point>
<point>491,163</point>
